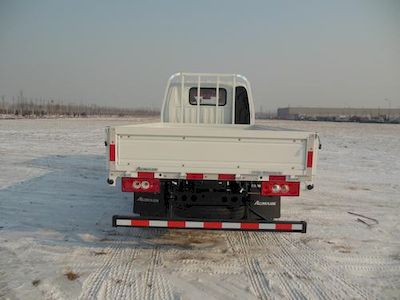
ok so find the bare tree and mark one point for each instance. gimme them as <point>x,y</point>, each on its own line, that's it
<point>40,107</point>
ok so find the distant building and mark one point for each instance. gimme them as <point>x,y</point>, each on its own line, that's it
<point>338,114</point>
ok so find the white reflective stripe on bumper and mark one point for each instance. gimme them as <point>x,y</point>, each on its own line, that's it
<point>194,224</point>
<point>226,225</point>
<point>297,226</point>
<point>158,223</point>
<point>267,226</point>
<point>123,222</point>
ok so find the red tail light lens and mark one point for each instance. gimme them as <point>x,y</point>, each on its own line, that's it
<point>194,176</point>
<point>276,188</point>
<point>226,177</point>
<point>309,159</point>
<point>285,188</point>
<point>130,184</point>
<point>136,184</point>
<point>280,188</point>
<point>145,185</point>
<point>112,152</point>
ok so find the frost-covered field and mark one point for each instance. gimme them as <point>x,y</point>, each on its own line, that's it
<point>56,239</point>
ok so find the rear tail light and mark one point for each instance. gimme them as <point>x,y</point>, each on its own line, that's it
<point>280,188</point>
<point>145,185</point>
<point>309,159</point>
<point>136,184</point>
<point>112,152</point>
<point>285,188</point>
<point>226,177</point>
<point>130,184</point>
<point>194,176</point>
<point>276,188</point>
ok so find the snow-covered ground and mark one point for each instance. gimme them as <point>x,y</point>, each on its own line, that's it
<point>56,239</point>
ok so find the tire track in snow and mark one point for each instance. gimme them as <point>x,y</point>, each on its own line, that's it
<point>301,283</point>
<point>122,276</point>
<point>164,290</point>
<point>366,263</point>
<point>302,255</point>
<point>121,281</point>
<point>154,284</point>
<point>283,282</point>
<point>148,280</point>
<point>93,284</point>
<point>259,283</point>
<point>193,266</point>
<point>300,275</point>
<point>129,280</point>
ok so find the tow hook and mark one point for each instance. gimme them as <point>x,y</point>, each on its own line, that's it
<point>310,187</point>
<point>110,181</point>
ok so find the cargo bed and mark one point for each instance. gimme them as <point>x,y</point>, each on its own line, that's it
<point>249,152</point>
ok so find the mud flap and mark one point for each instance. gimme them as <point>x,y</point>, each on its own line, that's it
<point>274,226</point>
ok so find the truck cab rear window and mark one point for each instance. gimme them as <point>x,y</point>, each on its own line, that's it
<point>208,96</point>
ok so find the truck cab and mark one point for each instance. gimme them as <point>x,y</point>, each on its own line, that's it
<point>234,106</point>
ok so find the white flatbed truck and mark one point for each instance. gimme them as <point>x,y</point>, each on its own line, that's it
<point>207,165</point>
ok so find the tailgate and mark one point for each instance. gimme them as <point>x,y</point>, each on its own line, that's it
<point>208,150</point>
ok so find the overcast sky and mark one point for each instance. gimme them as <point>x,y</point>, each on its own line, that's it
<point>120,53</point>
